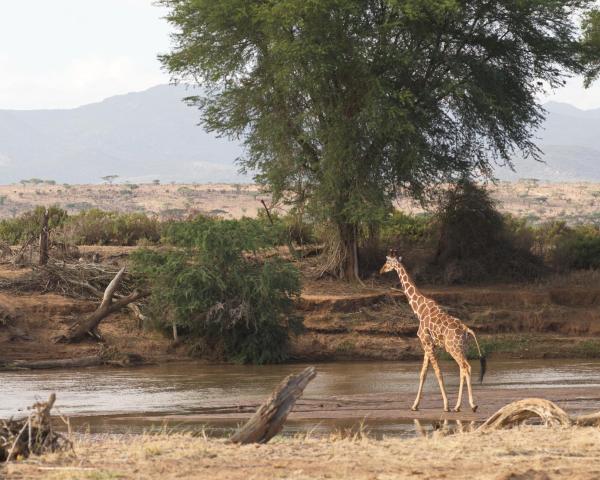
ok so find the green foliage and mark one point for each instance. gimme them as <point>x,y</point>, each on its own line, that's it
<point>342,101</point>
<point>400,227</point>
<point>577,248</point>
<point>477,243</point>
<point>97,227</point>
<point>216,286</point>
<point>18,230</point>
<point>587,349</point>
<point>286,228</point>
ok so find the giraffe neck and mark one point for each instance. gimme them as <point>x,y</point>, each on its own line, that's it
<point>415,298</point>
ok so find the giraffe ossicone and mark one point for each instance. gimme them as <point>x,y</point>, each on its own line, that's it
<point>437,329</point>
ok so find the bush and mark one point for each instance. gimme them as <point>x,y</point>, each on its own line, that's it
<point>215,285</point>
<point>287,228</point>
<point>18,230</point>
<point>402,228</point>
<point>477,243</point>
<point>577,248</point>
<point>97,227</point>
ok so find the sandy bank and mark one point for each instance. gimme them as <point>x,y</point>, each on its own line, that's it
<point>525,453</point>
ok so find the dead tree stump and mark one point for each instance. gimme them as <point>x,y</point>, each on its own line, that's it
<point>270,417</point>
<point>89,325</point>
<point>43,260</point>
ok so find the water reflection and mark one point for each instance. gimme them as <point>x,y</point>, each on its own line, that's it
<point>443,427</point>
<point>98,395</point>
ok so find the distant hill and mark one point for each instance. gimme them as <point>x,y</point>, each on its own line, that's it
<point>154,135</point>
<point>570,140</point>
<point>139,136</point>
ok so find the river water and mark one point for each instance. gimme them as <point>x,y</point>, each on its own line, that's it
<point>101,399</point>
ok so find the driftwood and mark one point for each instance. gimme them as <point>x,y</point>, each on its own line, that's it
<point>31,435</point>
<point>545,411</point>
<point>270,417</point>
<point>88,361</point>
<point>105,356</point>
<point>76,280</point>
<point>88,326</point>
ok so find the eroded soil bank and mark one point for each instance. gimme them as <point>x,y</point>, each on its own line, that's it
<point>559,319</point>
<point>532,453</point>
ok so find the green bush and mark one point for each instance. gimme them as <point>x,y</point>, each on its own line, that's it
<point>577,248</point>
<point>18,230</point>
<point>215,285</point>
<point>286,228</point>
<point>97,227</point>
<point>476,243</point>
<point>400,227</point>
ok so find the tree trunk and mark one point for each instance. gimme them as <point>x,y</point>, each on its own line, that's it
<point>349,269</point>
<point>89,325</point>
<point>270,417</point>
<point>44,239</point>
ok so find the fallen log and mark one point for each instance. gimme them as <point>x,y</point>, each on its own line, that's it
<point>89,325</point>
<point>518,412</point>
<point>106,356</point>
<point>270,417</point>
<point>88,361</point>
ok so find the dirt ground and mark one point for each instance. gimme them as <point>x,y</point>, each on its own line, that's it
<point>527,453</point>
<point>557,319</point>
<point>30,321</point>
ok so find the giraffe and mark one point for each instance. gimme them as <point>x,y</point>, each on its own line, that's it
<point>437,329</point>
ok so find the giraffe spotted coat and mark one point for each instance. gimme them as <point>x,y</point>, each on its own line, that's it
<point>437,330</point>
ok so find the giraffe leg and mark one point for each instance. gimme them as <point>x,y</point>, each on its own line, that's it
<point>468,377</point>
<point>438,374</point>
<point>460,391</point>
<point>422,378</point>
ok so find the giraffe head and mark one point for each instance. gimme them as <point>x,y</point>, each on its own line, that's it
<point>392,261</point>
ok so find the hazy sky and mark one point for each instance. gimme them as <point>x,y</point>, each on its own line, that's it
<point>65,53</point>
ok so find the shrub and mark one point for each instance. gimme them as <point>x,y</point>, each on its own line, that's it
<point>97,227</point>
<point>18,230</point>
<point>577,248</point>
<point>216,286</point>
<point>400,228</point>
<point>477,243</point>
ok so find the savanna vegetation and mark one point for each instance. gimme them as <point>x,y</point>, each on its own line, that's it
<point>341,103</point>
<point>343,106</point>
<point>228,286</point>
<point>216,284</point>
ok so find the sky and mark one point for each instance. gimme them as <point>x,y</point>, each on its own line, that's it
<point>67,53</point>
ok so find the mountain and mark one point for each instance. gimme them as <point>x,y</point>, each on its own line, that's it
<point>154,135</point>
<point>139,136</point>
<point>570,142</point>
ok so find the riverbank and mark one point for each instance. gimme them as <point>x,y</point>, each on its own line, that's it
<point>524,453</point>
<point>557,319</point>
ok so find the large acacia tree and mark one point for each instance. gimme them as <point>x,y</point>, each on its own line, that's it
<point>344,101</point>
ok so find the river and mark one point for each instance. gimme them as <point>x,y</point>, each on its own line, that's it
<point>140,399</point>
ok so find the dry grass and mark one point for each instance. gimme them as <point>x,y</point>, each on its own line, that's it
<point>521,453</point>
<point>574,202</point>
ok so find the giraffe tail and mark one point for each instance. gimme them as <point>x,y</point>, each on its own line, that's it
<point>482,358</point>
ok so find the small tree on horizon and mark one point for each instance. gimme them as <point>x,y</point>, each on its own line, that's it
<point>109,179</point>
